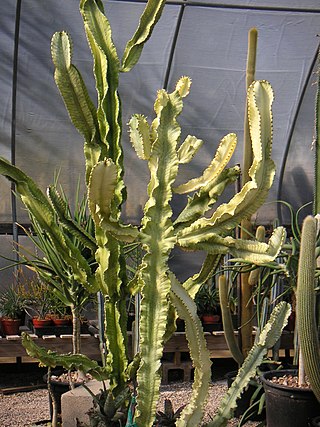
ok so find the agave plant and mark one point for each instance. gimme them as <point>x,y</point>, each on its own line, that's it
<point>51,265</point>
<point>169,416</point>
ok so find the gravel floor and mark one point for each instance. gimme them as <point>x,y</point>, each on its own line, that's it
<point>26,409</point>
<point>30,408</point>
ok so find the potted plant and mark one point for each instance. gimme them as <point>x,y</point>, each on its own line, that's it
<point>60,314</point>
<point>12,306</point>
<point>292,399</point>
<point>208,306</point>
<point>38,303</point>
<point>163,296</point>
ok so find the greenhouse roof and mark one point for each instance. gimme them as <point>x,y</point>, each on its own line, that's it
<point>205,40</point>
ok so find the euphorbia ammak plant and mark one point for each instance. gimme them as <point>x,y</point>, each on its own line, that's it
<point>159,144</point>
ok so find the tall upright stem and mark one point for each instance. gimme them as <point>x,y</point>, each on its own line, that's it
<point>246,304</point>
<point>76,341</point>
<point>316,196</point>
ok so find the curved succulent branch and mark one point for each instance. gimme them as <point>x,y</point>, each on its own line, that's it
<point>81,109</point>
<point>254,192</point>
<point>68,361</point>
<point>134,47</point>
<point>268,337</point>
<point>251,251</point>
<point>187,310</point>
<point>220,160</point>
<point>227,321</point>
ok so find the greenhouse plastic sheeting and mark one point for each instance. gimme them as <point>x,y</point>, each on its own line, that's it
<point>202,39</point>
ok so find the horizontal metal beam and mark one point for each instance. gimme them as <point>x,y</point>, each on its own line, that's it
<point>233,6</point>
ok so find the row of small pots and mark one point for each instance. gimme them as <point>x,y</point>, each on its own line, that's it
<point>11,326</point>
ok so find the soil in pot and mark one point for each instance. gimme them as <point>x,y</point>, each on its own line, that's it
<point>59,384</point>
<point>247,399</point>
<point>286,405</point>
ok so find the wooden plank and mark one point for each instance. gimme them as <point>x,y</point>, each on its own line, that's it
<point>12,348</point>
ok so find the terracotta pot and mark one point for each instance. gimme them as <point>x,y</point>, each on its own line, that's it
<point>41,323</point>
<point>10,326</point>
<point>210,318</point>
<point>211,322</point>
<point>61,322</point>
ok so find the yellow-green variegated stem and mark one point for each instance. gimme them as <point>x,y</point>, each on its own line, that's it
<point>157,236</point>
<point>187,310</point>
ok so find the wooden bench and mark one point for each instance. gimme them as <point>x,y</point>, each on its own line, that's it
<point>11,349</point>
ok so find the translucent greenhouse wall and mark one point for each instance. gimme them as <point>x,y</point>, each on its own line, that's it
<point>202,39</point>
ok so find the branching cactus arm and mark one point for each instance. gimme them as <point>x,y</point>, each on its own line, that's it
<point>221,159</point>
<point>187,310</point>
<point>253,193</point>
<point>268,337</point>
<point>209,266</point>
<point>101,193</point>
<point>157,237</point>
<point>68,361</point>
<point>106,71</point>
<point>148,20</point>
<point>202,200</point>
<point>81,109</point>
<point>251,251</point>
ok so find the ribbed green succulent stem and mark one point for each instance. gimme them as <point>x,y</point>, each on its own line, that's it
<point>158,241</point>
<point>246,308</point>
<point>250,73</point>
<point>254,274</point>
<point>316,197</point>
<point>227,321</point>
<point>307,326</point>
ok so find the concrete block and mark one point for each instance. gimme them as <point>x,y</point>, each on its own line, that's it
<point>76,403</point>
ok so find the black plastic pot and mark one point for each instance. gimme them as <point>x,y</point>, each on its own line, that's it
<point>57,390</point>
<point>245,401</point>
<point>288,406</point>
<point>315,422</point>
